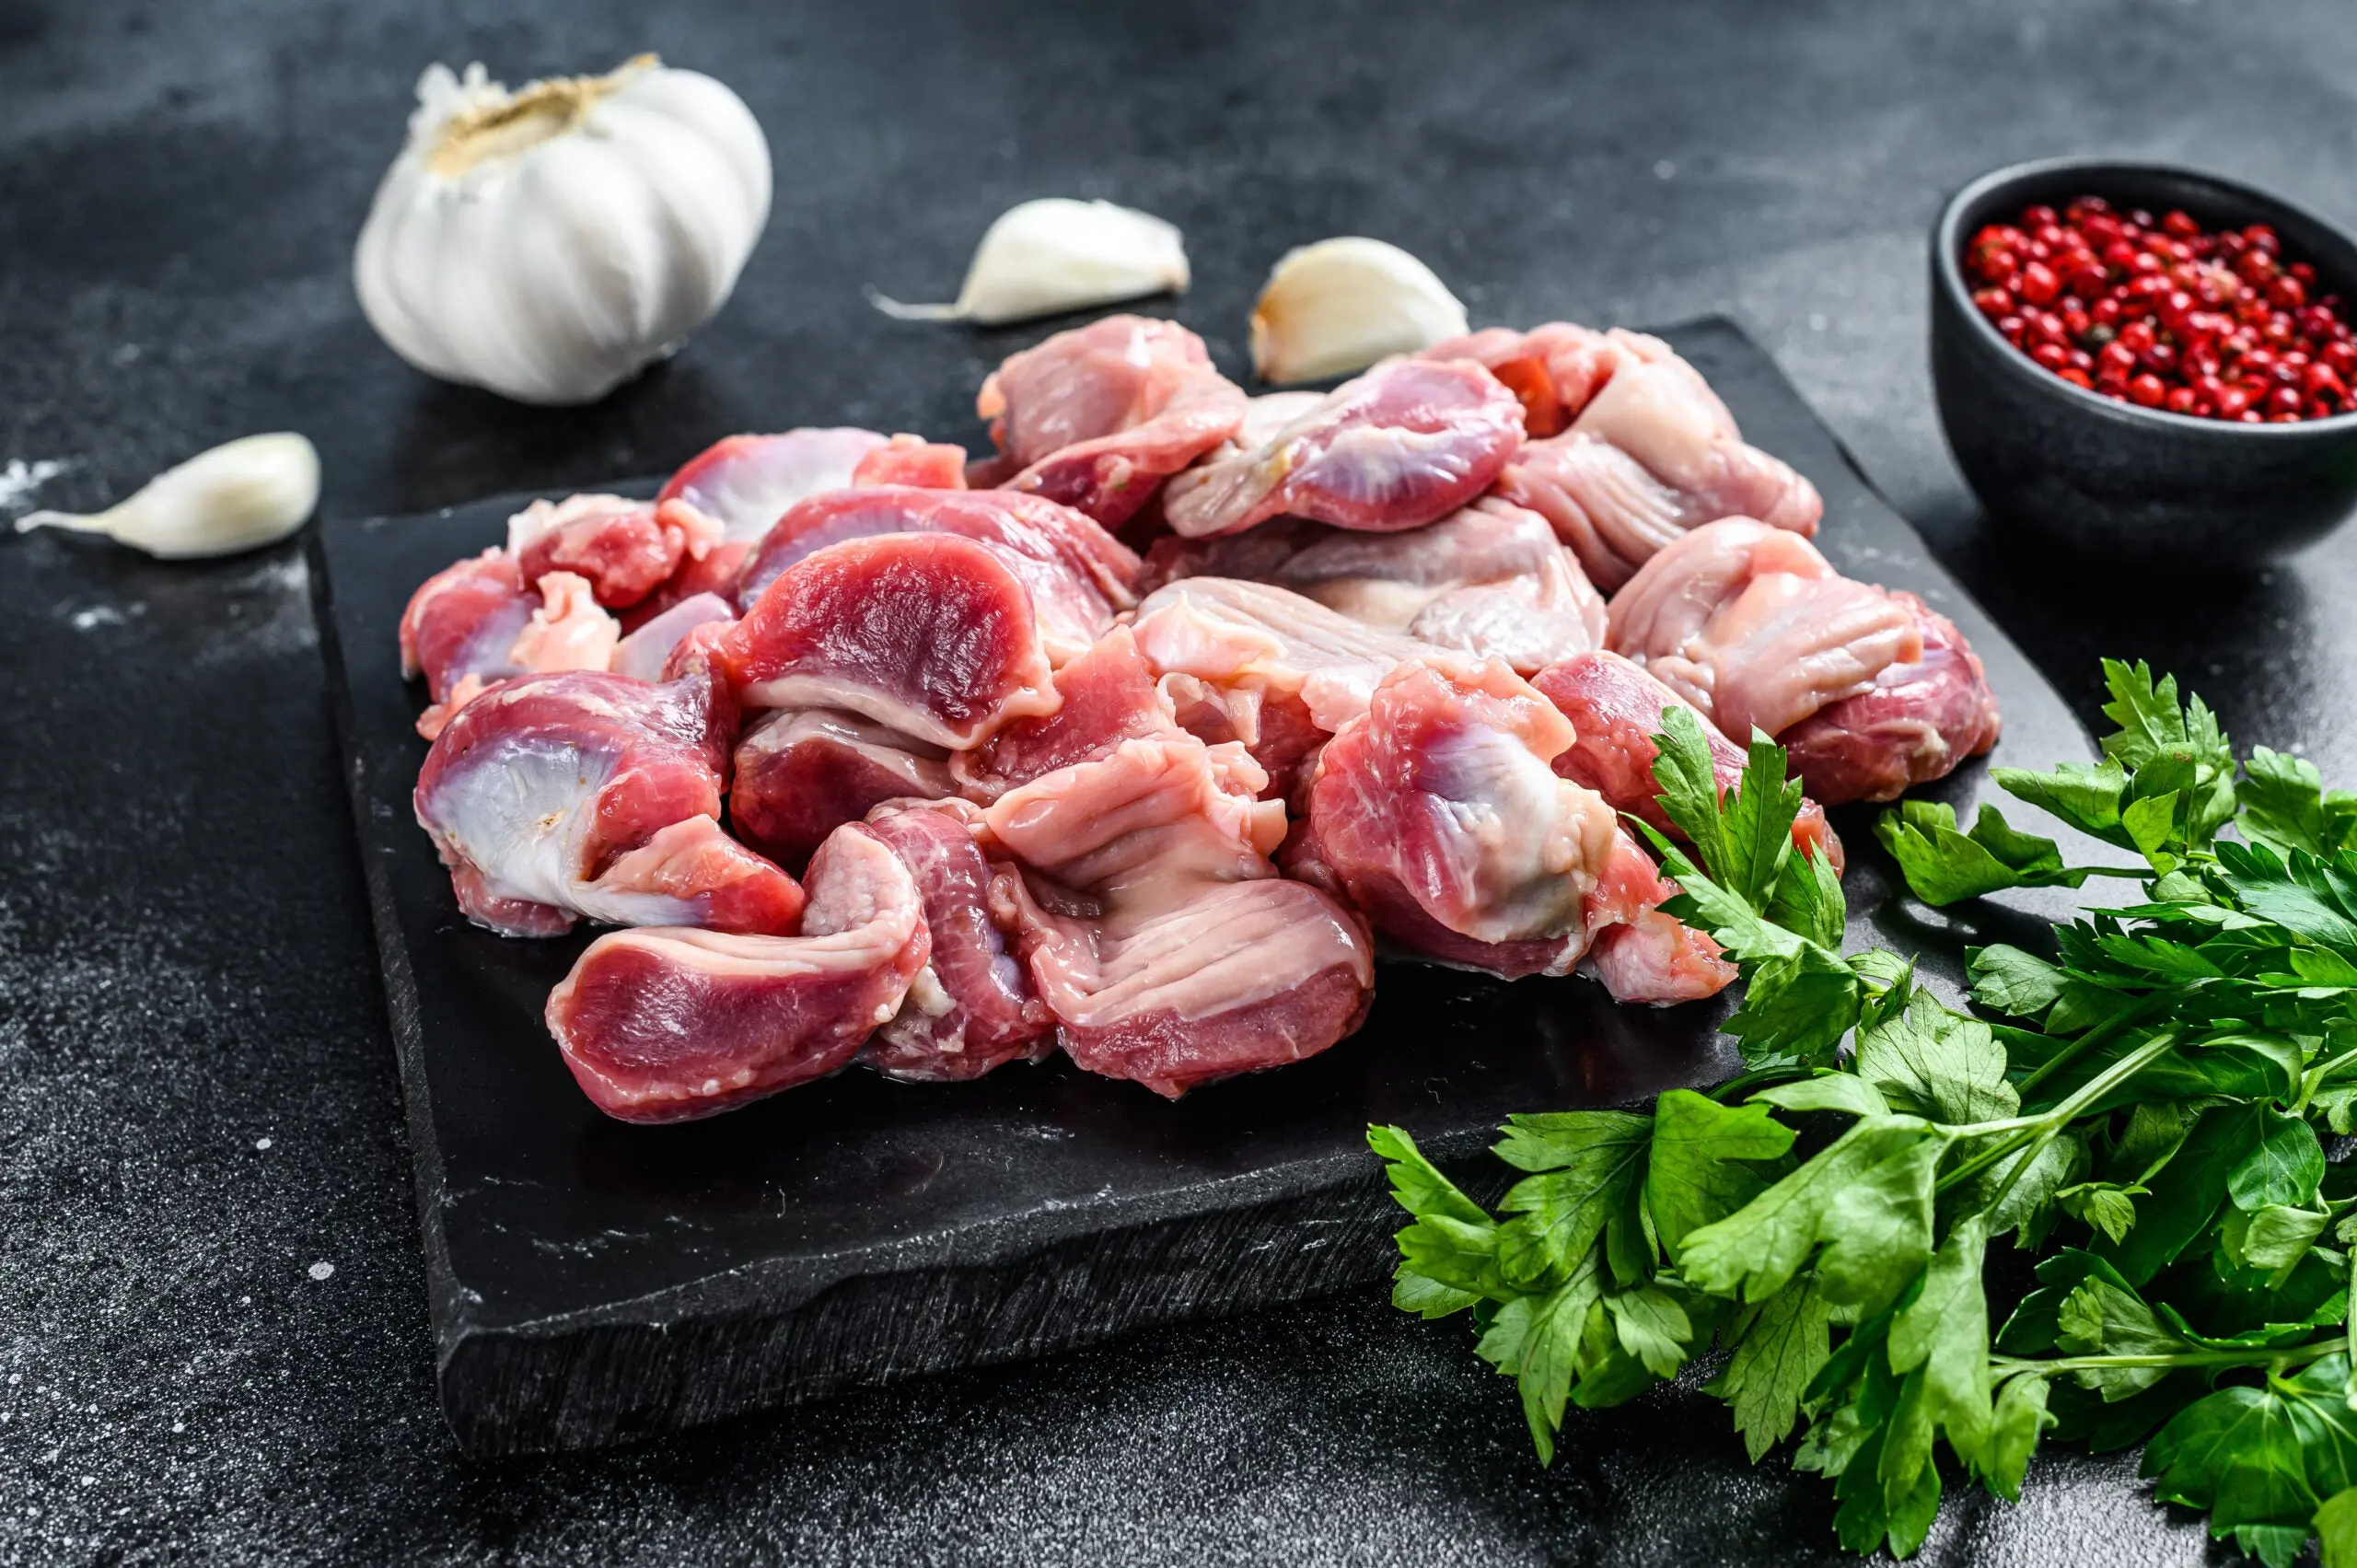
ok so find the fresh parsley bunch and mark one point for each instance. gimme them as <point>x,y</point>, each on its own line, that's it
<point>2139,1109</point>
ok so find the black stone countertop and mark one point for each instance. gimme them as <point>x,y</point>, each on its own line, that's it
<point>198,1110</point>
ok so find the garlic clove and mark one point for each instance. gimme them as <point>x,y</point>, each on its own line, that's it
<point>1340,304</point>
<point>251,492</point>
<point>1056,254</point>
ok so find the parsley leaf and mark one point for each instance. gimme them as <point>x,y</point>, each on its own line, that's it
<point>1945,1331</point>
<point>2157,729</point>
<point>2088,797</point>
<point>1943,865</point>
<point>2011,981</point>
<point>1867,1199</point>
<point>2285,806</point>
<point>1652,1326</point>
<point>2336,1528</point>
<point>2314,900</point>
<point>1588,1161</point>
<point>2186,1194</point>
<point>1782,1345</point>
<point>2282,1167</point>
<point>1756,823</point>
<point>1689,781</point>
<point>2262,1461</point>
<point>1416,1185</point>
<point>2018,1420</point>
<point>1536,1340</point>
<point>1706,1160</point>
<point>1936,1063</point>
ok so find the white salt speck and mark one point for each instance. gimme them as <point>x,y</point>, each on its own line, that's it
<point>1665,170</point>
<point>97,615</point>
<point>89,1481</point>
<point>20,478</point>
<point>322,1271</point>
<point>179,1426</point>
<point>262,1142</point>
<point>15,1379</point>
<point>245,1301</point>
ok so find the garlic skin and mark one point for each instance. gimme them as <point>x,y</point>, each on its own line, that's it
<point>1340,304</point>
<point>1055,254</point>
<point>551,243</point>
<point>251,492</point>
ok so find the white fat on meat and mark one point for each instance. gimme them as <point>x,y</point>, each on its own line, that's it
<point>644,652</point>
<point>745,483</point>
<point>1651,454</point>
<point>1160,935</point>
<point>1142,825</point>
<point>1520,842</point>
<point>1227,632</point>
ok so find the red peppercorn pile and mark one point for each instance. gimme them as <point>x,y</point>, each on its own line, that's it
<point>2163,314</point>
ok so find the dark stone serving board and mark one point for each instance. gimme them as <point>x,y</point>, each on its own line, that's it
<point>591,1281</point>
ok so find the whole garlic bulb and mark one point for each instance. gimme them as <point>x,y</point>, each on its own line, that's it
<point>548,244</point>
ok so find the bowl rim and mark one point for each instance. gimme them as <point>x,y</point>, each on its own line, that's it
<point>1948,267</point>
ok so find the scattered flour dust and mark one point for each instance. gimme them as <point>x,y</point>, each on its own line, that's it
<point>20,478</point>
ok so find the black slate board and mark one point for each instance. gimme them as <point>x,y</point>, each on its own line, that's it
<point>590,1280</point>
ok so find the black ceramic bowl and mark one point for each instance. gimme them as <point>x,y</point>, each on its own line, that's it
<point>2112,481</point>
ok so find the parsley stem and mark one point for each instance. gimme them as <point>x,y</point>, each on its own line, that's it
<point>2044,1124</point>
<point>2295,1356</point>
<point>2101,1034</point>
<point>1725,1093</point>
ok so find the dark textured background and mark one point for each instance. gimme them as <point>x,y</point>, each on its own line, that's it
<point>197,1100</point>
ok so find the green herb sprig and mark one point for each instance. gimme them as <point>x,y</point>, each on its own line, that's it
<point>2140,1111</point>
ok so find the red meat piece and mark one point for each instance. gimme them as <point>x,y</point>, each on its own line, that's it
<point>1615,709</point>
<point>971,1007</point>
<point>464,621</point>
<point>1919,720</point>
<point>1157,931</point>
<point>553,797</point>
<point>1439,816</point>
<point>1490,579</point>
<point>1651,455</point>
<point>1077,573</point>
<point>671,1024</point>
<point>1098,416</point>
<point>913,461</point>
<point>625,550</point>
<point>715,573</point>
<point>801,774</point>
<point>745,483</point>
<point>932,635</point>
<point>1407,443</point>
<point>1108,695</point>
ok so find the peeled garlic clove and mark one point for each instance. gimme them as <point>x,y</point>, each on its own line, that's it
<point>1340,304</point>
<point>251,492</point>
<point>1057,254</point>
<point>551,243</point>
